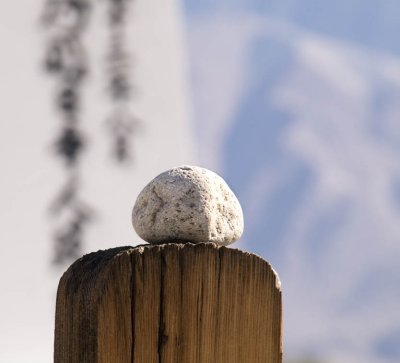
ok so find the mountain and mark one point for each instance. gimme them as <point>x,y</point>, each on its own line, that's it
<point>304,127</point>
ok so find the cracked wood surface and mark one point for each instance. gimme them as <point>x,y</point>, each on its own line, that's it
<point>171,303</point>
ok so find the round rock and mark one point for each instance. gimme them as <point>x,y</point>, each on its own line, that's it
<point>188,203</point>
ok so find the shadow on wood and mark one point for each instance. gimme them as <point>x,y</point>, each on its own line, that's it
<point>171,303</point>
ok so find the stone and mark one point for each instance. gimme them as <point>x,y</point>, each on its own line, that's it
<point>188,204</point>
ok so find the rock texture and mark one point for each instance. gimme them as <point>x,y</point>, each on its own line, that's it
<point>188,203</point>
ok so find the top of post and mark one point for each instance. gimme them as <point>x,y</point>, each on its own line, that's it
<point>188,203</point>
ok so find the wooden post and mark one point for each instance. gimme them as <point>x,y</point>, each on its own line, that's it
<point>170,303</point>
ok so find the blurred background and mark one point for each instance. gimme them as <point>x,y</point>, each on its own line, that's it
<point>296,104</point>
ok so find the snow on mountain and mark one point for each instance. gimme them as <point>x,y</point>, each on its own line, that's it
<point>306,130</point>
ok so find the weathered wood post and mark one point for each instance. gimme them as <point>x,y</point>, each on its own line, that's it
<point>173,301</point>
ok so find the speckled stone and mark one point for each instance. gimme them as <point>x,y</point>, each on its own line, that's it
<point>188,203</point>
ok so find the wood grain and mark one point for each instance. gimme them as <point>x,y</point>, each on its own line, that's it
<point>171,303</point>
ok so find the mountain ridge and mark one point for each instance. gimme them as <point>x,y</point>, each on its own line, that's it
<point>299,147</point>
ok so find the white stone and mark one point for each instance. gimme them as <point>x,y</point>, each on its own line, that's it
<point>188,203</point>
